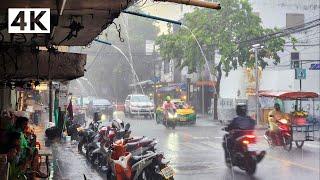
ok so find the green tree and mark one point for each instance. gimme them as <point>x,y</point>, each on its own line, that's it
<point>221,30</point>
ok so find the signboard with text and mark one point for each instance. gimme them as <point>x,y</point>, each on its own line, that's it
<point>314,66</point>
<point>300,73</point>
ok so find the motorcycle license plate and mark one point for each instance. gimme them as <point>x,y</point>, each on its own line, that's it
<point>252,147</point>
<point>167,172</point>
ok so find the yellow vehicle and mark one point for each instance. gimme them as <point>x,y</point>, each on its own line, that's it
<point>185,113</point>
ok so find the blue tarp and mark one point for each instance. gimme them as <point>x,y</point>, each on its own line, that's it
<point>172,87</point>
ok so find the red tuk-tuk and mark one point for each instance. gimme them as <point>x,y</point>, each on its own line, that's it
<point>301,126</point>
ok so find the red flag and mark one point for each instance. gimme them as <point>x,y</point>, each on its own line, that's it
<point>70,110</point>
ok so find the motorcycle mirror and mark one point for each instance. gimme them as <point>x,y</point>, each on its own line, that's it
<point>127,126</point>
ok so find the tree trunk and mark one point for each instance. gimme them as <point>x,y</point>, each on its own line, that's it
<point>216,95</point>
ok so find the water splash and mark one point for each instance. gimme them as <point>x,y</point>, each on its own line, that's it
<point>129,46</point>
<point>127,59</point>
<point>90,84</point>
<point>204,56</point>
<point>82,86</point>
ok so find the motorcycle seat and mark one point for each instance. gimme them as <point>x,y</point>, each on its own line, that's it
<point>134,139</point>
<point>135,159</point>
<point>134,145</point>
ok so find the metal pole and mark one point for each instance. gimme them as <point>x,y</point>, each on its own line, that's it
<point>202,98</point>
<point>257,85</point>
<point>50,101</point>
<point>300,85</point>
<point>154,85</point>
<point>188,89</point>
<point>152,17</point>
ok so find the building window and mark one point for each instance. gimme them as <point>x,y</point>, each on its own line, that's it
<point>293,19</point>
<point>166,67</point>
<point>295,57</point>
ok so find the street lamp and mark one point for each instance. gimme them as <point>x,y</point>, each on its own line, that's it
<point>255,49</point>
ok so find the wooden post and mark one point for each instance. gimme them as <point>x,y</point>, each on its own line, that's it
<point>199,3</point>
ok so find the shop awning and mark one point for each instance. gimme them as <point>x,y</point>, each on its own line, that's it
<point>142,83</point>
<point>288,94</point>
<point>173,87</point>
<point>206,83</point>
<point>61,66</point>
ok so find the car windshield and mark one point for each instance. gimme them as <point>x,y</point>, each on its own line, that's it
<point>140,99</point>
<point>101,102</point>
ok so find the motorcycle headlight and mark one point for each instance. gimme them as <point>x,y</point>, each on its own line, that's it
<point>283,121</point>
<point>172,115</point>
<point>79,129</point>
<point>103,117</point>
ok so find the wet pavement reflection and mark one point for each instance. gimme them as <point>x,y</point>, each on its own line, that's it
<point>195,152</point>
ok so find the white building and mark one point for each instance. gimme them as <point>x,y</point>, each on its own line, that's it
<point>282,14</point>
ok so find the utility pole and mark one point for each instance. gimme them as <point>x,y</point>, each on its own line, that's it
<point>154,85</point>
<point>256,48</point>
<point>188,89</point>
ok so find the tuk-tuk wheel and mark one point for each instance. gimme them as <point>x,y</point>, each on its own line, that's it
<point>299,144</point>
<point>287,143</point>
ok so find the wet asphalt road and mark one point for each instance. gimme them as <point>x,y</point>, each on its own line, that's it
<point>195,152</point>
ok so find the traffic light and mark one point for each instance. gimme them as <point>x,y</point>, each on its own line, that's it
<point>295,60</point>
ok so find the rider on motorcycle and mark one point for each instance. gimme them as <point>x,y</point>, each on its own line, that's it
<point>168,105</point>
<point>241,122</point>
<point>273,117</point>
<point>94,125</point>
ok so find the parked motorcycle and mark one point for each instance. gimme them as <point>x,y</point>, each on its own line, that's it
<point>170,118</point>
<point>105,137</point>
<point>87,136</point>
<point>147,166</point>
<point>243,151</point>
<point>281,138</point>
<point>136,146</point>
<point>72,129</point>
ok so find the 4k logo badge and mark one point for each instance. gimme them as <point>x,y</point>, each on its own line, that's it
<point>29,20</point>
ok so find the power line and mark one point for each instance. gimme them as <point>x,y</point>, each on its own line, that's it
<point>284,32</point>
<point>290,45</point>
<point>95,58</point>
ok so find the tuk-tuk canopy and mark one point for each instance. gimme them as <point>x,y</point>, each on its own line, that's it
<point>288,94</point>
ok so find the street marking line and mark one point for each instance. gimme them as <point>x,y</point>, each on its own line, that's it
<point>293,163</point>
<point>201,138</point>
<point>196,146</point>
<point>213,145</point>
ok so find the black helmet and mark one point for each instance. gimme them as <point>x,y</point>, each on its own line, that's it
<point>96,116</point>
<point>241,109</point>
